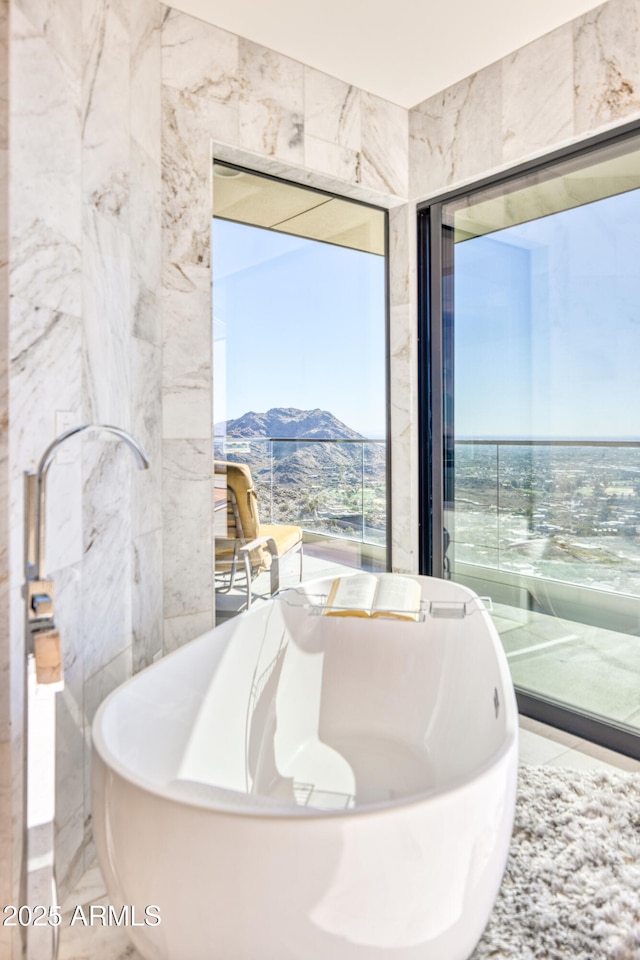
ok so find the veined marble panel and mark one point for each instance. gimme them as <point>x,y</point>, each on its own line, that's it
<point>332,110</point>
<point>43,340</point>
<point>537,95</point>
<point>146,424</point>
<point>187,568</point>
<point>60,21</point>
<point>6,759</point>
<point>107,562</point>
<point>145,19</point>
<point>6,845</point>
<point>607,65</point>
<point>340,163</point>
<point>385,145</point>
<point>271,104</point>
<point>69,850</point>
<point>200,59</point>
<point>45,211</point>
<point>4,103</point>
<point>402,254</point>
<point>187,353</point>
<point>106,320</point>
<point>457,134</point>
<point>147,599</point>
<point>403,388</point>
<point>145,217</point>
<point>146,307</point>
<point>97,687</point>
<point>187,513</point>
<point>105,108</point>
<point>145,202</point>
<point>188,124</point>
<point>181,629</point>
<point>70,728</point>
<point>63,540</point>
<point>5,700</point>
<point>404,439</point>
<point>70,742</point>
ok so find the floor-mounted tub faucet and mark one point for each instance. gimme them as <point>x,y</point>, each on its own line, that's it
<point>44,671</point>
<point>39,592</point>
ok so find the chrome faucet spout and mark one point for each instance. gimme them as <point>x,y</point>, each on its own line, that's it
<point>133,442</point>
<point>37,500</point>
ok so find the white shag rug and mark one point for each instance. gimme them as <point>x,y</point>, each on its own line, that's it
<point>571,890</point>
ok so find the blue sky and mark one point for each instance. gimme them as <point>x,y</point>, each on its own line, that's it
<point>547,326</point>
<point>297,323</point>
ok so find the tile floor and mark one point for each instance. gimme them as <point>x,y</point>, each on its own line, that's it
<point>539,744</point>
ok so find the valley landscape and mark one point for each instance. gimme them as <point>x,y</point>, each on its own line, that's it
<point>311,469</point>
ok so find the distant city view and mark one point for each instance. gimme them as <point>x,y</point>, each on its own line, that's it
<point>547,335</point>
<point>564,512</point>
<point>568,513</point>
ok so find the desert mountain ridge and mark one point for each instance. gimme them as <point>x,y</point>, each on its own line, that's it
<point>289,423</point>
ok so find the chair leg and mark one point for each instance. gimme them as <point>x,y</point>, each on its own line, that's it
<point>247,570</point>
<point>275,575</point>
<point>234,567</point>
<point>300,578</point>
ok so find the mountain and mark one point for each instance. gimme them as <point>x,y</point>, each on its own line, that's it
<point>289,423</point>
<point>308,475</point>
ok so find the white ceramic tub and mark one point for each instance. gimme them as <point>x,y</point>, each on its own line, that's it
<point>298,787</point>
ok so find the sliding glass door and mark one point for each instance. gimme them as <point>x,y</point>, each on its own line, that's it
<point>532,318</point>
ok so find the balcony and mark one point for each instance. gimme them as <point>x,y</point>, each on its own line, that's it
<point>334,489</point>
<point>550,530</point>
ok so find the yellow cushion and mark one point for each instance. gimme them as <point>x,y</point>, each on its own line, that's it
<point>286,537</point>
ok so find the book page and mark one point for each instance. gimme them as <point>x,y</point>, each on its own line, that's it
<point>398,595</point>
<point>352,595</point>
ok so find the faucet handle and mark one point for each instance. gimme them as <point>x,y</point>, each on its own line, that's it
<point>40,594</point>
<point>42,605</point>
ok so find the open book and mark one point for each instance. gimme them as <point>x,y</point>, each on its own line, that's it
<point>368,595</point>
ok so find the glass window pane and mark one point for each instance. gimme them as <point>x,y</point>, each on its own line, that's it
<point>299,303</point>
<point>543,404</point>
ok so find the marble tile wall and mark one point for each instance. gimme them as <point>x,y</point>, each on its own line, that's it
<point>111,310</point>
<point>6,751</point>
<point>45,326</point>
<point>223,95</point>
<point>84,339</point>
<point>576,81</point>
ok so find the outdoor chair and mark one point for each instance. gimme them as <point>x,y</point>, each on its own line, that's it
<point>248,547</point>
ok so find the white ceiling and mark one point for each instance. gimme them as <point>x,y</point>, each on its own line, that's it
<point>401,50</point>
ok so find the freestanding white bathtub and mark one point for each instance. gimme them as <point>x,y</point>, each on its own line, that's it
<point>299,787</point>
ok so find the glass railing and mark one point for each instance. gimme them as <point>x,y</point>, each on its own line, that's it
<point>335,488</point>
<point>564,510</point>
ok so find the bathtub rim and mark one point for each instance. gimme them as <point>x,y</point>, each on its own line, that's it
<point>303,814</point>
